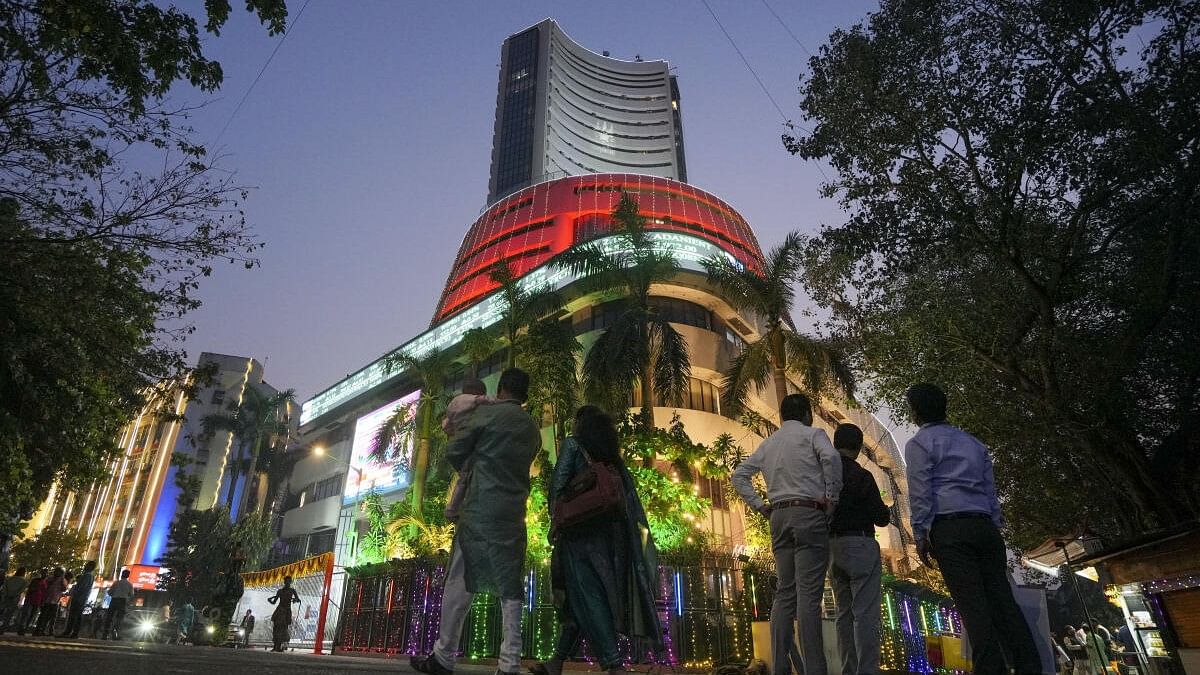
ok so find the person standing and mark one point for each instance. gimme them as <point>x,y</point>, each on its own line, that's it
<point>247,625</point>
<point>79,599</point>
<point>34,593</point>
<point>56,585</point>
<point>187,616</point>
<point>10,593</point>
<point>956,518</point>
<point>119,593</point>
<point>605,570</point>
<point>803,473</point>
<point>1096,651</point>
<point>855,570</point>
<point>500,442</point>
<point>281,618</point>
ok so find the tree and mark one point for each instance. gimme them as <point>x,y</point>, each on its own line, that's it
<point>82,87</point>
<point>770,294</point>
<point>548,352</point>
<point>521,307</point>
<point>641,345</point>
<point>257,419</point>
<point>431,371</point>
<point>279,461</point>
<point>52,547</point>
<point>478,345</point>
<point>1022,187</point>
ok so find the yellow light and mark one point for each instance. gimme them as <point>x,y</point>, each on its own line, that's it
<point>318,450</point>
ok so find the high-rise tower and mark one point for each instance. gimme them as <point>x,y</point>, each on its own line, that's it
<point>563,110</point>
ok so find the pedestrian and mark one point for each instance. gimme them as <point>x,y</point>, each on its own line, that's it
<point>281,618</point>
<point>187,616</point>
<point>1125,637</point>
<point>34,594</point>
<point>604,571</point>
<point>10,594</point>
<point>474,394</point>
<point>247,625</point>
<point>488,555</point>
<point>119,595</point>
<point>803,473</point>
<point>56,585</point>
<point>79,597</point>
<point>1096,651</point>
<point>855,570</point>
<point>956,518</point>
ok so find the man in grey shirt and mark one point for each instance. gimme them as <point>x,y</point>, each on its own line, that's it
<point>804,478</point>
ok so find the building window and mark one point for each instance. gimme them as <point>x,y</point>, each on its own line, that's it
<point>683,312</point>
<point>698,395</point>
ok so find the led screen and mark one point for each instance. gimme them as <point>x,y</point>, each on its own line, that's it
<point>365,473</point>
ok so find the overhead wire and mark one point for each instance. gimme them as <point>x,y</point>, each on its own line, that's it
<point>286,32</point>
<point>786,28</point>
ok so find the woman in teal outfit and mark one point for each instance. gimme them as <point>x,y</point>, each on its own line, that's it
<point>605,571</point>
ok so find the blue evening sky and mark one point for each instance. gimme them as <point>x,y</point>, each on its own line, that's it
<point>368,142</point>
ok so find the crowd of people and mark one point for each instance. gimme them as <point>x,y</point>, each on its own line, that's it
<point>822,507</point>
<point>36,603</point>
<point>1084,651</point>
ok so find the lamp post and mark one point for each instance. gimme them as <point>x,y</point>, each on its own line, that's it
<point>319,451</point>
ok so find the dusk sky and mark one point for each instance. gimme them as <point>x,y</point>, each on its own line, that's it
<point>368,143</point>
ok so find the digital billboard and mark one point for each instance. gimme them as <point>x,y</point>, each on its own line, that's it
<point>366,473</point>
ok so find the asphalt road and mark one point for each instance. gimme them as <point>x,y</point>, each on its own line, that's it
<point>57,656</point>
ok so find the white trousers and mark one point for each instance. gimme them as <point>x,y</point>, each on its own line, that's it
<point>456,602</point>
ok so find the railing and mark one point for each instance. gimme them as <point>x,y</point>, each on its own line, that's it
<point>707,607</point>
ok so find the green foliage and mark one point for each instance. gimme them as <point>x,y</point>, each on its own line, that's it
<point>537,519</point>
<point>478,345</point>
<point>548,351</point>
<point>201,549</point>
<point>1021,183</point>
<point>52,547</point>
<point>259,419</point>
<point>640,346</point>
<point>83,101</point>
<point>521,307</point>
<point>672,508</point>
<point>379,543</point>
<point>431,370</point>
<point>770,294</point>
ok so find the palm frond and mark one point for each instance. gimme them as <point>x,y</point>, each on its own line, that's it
<point>395,432</point>
<point>737,283</point>
<point>749,369</point>
<point>672,362</point>
<point>821,365</point>
<point>614,362</point>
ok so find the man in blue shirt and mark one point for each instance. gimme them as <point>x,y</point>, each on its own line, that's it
<point>956,518</point>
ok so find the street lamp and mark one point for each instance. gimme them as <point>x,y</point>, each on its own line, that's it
<point>319,452</point>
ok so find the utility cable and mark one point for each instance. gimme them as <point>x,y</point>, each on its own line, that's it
<point>286,31</point>
<point>745,61</point>
<point>785,27</point>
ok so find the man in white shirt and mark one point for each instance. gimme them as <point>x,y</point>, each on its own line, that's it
<point>120,592</point>
<point>803,473</point>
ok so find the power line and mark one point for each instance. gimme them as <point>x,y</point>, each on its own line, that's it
<point>749,67</point>
<point>286,31</point>
<point>785,27</point>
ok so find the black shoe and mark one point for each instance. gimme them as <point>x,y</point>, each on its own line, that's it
<point>429,665</point>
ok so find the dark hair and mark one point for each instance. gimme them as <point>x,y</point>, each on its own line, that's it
<point>20,572</point>
<point>474,385</point>
<point>89,565</point>
<point>124,574</point>
<point>515,382</point>
<point>595,431</point>
<point>287,580</point>
<point>795,407</point>
<point>848,438</point>
<point>928,402</point>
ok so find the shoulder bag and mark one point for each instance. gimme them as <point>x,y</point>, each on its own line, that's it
<point>593,492</point>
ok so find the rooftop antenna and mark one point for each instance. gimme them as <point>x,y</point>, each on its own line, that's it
<point>605,52</point>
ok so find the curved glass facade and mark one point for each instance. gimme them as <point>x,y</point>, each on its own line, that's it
<point>564,110</point>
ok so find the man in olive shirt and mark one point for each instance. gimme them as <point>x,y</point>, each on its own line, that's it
<point>854,569</point>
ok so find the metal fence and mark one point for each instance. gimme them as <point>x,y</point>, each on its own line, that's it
<point>708,608</point>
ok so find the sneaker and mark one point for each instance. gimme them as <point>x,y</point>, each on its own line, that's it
<point>429,664</point>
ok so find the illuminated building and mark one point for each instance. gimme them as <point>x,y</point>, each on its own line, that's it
<point>564,110</point>
<point>128,514</point>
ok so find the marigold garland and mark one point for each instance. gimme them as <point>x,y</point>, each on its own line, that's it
<point>300,568</point>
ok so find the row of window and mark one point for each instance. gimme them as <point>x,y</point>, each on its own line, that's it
<point>514,148</point>
<point>315,492</point>
<point>699,395</point>
<point>603,315</point>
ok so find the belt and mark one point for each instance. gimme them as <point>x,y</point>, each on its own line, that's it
<point>959,515</point>
<point>789,503</point>
<point>852,533</point>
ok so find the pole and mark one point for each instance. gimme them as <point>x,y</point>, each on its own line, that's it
<point>325,588</point>
<point>1074,581</point>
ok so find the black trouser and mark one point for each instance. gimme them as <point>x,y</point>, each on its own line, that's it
<point>114,617</point>
<point>971,555</point>
<point>74,618</point>
<point>46,618</point>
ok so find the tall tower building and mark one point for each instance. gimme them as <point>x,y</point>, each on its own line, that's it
<point>563,110</point>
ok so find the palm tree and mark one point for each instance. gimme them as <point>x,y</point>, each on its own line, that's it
<point>478,345</point>
<point>781,348</point>
<point>431,370</point>
<point>258,418</point>
<point>548,352</point>
<point>641,345</point>
<point>522,307</point>
<point>279,462</point>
